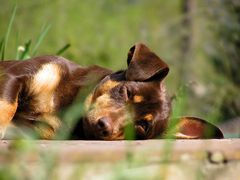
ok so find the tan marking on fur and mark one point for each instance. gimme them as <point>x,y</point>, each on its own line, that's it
<point>109,85</point>
<point>48,132</point>
<point>45,133</point>
<point>183,136</point>
<point>88,102</point>
<point>43,85</point>
<point>52,120</point>
<point>104,106</point>
<point>7,111</point>
<point>148,117</point>
<point>103,101</point>
<point>46,79</point>
<point>138,99</point>
<point>100,108</point>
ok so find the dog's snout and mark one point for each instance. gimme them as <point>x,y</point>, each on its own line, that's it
<point>103,123</point>
<point>104,127</point>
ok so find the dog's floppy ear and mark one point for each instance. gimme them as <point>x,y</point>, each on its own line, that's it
<point>144,65</point>
<point>196,128</point>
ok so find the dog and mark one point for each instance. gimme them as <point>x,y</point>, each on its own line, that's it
<point>35,90</point>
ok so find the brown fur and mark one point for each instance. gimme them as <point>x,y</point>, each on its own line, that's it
<point>35,90</point>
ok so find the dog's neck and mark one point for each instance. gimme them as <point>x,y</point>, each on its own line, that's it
<point>88,76</point>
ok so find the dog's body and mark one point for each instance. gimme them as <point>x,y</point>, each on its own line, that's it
<point>35,90</point>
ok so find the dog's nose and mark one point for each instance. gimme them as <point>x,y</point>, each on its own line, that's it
<point>104,127</point>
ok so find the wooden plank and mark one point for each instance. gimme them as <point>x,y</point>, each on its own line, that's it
<point>111,151</point>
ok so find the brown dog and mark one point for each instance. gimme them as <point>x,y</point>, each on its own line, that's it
<point>35,90</point>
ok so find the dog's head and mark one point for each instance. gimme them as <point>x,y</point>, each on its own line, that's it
<point>137,97</point>
<point>134,96</point>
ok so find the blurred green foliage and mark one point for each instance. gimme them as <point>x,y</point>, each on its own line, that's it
<point>198,39</point>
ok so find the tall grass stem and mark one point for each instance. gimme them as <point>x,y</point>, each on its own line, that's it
<point>42,35</point>
<point>4,43</point>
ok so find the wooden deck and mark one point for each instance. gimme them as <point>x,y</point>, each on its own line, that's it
<point>223,155</point>
<point>69,151</point>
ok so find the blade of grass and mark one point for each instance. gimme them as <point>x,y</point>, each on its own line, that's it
<point>40,38</point>
<point>25,53</point>
<point>8,32</point>
<point>129,132</point>
<point>180,102</point>
<point>63,49</point>
<point>1,49</point>
<point>17,46</point>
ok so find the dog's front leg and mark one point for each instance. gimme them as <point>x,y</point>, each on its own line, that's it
<point>7,111</point>
<point>47,126</point>
<point>9,90</point>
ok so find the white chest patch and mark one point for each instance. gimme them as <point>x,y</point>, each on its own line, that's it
<point>42,86</point>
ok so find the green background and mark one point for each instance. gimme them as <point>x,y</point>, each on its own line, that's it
<point>199,40</point>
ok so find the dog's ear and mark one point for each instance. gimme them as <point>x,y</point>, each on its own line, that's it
<point>144,65</point>
<point>196,128</point>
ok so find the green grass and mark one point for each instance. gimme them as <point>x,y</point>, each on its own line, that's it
<point>40,38</point>
<point>4,41</point>
<point>101,32</point>
<point>25,51</point>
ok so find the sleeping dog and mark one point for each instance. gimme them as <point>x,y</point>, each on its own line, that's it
<point>35,90</point>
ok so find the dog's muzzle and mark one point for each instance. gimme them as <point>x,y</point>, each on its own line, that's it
<point>104,127</point>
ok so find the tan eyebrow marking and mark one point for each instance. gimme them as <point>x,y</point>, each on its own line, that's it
<point>138,99</point>
<point>109,85</point>
<point>148,117</point>
<point>88,101</point>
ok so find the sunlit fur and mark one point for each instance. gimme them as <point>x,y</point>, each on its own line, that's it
<point>148,117</point>
<point>111,100</point>
<point>179,135</point>
<point>43,85</point>
<point>34,91</point>
<point>108,85</point>
<point>105,106</point>
<point>138,99</point>
<point>7,111</point>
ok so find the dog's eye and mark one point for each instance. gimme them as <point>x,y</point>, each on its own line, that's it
<point>129,94</point>
<point>125,93</point>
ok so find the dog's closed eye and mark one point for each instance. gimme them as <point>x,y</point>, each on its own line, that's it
<point>121,93</point>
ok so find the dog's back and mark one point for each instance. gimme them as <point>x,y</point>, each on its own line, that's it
<point>35,89</point>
